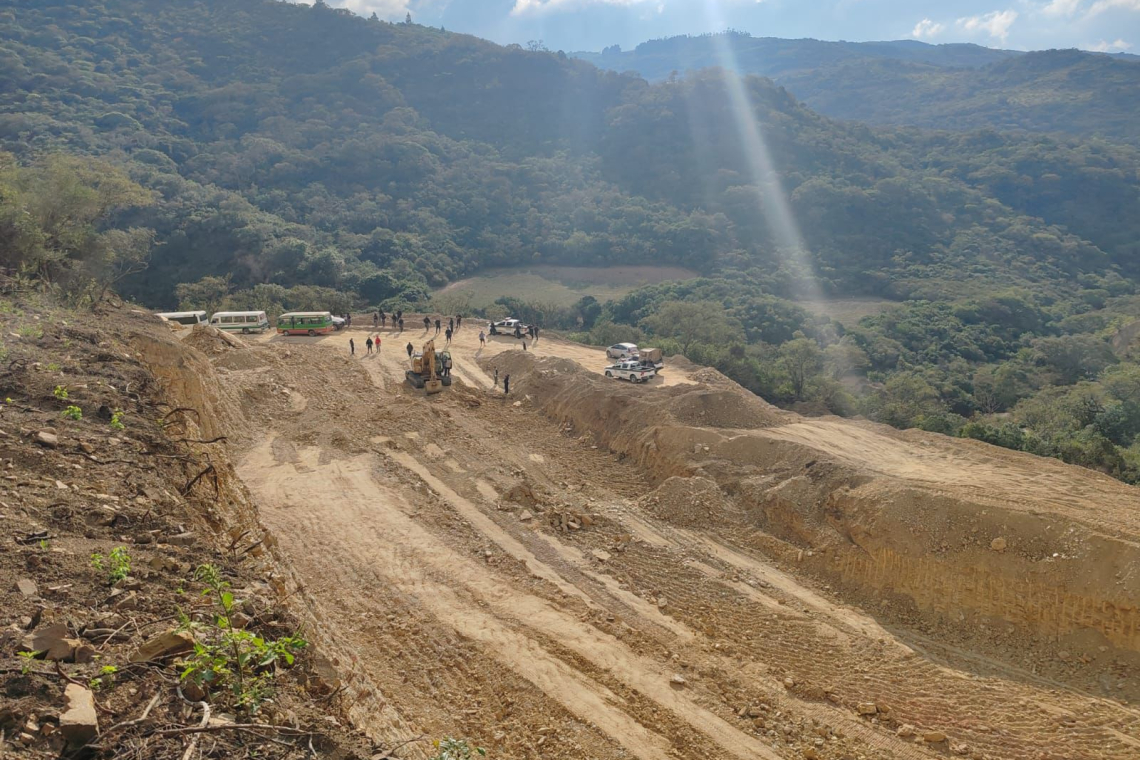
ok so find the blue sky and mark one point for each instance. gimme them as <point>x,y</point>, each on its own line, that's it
<point>1109,25</point>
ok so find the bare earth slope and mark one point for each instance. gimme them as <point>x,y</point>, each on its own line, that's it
<point>589,569</point>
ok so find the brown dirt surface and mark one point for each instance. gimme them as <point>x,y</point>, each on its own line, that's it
<point>586,568</point>
<point>78,484</point>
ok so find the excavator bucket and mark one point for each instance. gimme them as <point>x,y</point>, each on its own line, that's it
<point>433,386</point>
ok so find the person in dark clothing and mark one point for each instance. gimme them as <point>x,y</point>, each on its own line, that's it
<point>447,333</point>
<point>399,314</point>
<point>518,332</point>
<point>427,323</point>
<point>458,321</point>
<point>383,319</point>
<point>530,330</point>
<point>351,347</point>
<point>437,325</point>
<point>451,324</point>
<point>506,385</point>
<point>536,333</point>
<point>411,348</point>
<point>401,324</point>
<point>368,343</point>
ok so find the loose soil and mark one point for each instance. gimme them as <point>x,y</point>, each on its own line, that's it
<point>591,569</point>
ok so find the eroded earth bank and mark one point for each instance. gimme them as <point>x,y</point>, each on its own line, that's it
<point>589,569</point>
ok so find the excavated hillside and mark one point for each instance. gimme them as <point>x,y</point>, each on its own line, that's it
<point>590,569</point>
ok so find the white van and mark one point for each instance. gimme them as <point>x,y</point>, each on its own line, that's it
<point>240,321</point>
<point>188,318</point>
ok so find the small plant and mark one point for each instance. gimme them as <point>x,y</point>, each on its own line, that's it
<point>9,400</point>
<point>228,657</point>
<point>45,544</point>
<point>31,331</point>
<point>73,412</point>
<point>117,420</point>
<point>117,566</point>
<point>53,367</point>
<point>60,392</point>
<point>456,749</point>
<point>105,679</point>
<point>27,658</point>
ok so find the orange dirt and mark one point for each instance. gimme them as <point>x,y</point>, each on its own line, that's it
<point>590,569</point>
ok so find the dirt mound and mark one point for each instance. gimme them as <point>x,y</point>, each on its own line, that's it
<point>212,341</point>
<point>724,409</point>
<point>692,502</point>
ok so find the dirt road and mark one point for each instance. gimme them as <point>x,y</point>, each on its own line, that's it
<point>489,572</point>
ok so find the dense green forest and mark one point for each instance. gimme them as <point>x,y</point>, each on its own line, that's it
<point>954,86</point>
<point>206,153</point>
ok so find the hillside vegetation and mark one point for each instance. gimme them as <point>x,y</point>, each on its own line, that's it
<point>251,163</point>
<point>954,86</point>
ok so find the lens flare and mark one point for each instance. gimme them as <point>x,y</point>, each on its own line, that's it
<point>772,199</point>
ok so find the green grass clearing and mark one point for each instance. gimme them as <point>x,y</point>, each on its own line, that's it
<point>558,286</point>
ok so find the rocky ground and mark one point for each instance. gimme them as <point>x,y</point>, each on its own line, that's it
<point>111,505</point>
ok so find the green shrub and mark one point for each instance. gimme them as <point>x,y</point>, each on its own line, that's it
<point>117,566</point>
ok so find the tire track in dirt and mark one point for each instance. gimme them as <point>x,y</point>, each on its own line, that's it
<point>413,559</point>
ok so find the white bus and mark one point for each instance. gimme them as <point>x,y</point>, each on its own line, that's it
<point>188,318</point>
<point>240,321</point>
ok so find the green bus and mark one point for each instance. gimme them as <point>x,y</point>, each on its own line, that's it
<point>240,321</point>
<point>305,323</point>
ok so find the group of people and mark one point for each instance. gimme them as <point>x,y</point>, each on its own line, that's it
<point>371,343</point>
<point>380,320</point>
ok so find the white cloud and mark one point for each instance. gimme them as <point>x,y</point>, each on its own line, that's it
<point>523,7</point>
<point>1110,47</point>
<point>995,23</point>
<point>926,29</point>
<point>1063,7</point>
<point>1100,6</point>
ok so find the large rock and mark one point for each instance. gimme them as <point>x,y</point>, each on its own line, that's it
<point>50,440</point>
<point>164,645</point>
<point>27,587</point>
<point>52,642</point>
<point>79,724</point>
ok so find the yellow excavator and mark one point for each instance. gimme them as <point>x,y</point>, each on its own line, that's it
<point>430,370</point>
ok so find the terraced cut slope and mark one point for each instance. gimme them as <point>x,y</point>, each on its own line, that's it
<point>589,569</point>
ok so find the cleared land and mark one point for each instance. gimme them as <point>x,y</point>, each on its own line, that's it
<point>590,569</point>
<point>559,286</point>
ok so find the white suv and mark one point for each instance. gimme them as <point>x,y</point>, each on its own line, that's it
<point>622,351</point>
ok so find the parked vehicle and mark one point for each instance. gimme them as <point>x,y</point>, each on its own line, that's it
<point>508,327</point>
<point>188,318</point>
<point>305,323</point>
<point>651,357</point>
<point>338,322</point>
<point>622,351</point>
<point>631,370</point>
<point>240,321</point>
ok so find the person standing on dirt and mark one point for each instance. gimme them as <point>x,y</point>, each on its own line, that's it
<point>437,325</point>
<point>377,343</point>
<point>411,348</point>
<point>507,385</point>
<point>368,343</point>
<point>518,332</point>
<point>427,323</point>
<point>536,333</point>
<point>451,324</point>
<point>351,347</point>
<point>383,319</point>
<point>401,324</point>
<point>482,339</point>
<point>447,333</point>
<point>375,319</point>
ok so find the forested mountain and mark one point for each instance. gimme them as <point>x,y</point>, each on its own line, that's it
<point>302,145</point>
<point>277,155</point>
<point>955,86</point>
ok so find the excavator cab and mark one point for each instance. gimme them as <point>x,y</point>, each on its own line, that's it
<point>426,367</point>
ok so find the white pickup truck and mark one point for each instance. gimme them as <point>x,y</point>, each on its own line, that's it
<point>632,370</point>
